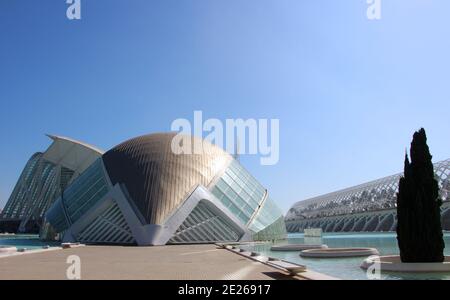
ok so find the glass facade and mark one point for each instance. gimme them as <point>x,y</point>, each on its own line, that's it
<point>247,199</point>
<point>269,222</point>
<point>56,217</point>
<point>239,192</point>
<point>79,197</point>
<point>275,231</point>
<point>34,192</point>
<point>267,215</point>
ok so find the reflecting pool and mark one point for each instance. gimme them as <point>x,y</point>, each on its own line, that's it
<point>24,241</point>
<point>347,268</point>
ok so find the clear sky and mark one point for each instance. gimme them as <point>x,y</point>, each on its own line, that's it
<point>349,92</point>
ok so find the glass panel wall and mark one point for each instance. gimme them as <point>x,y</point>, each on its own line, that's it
<point>267,215</point>
<point>34,192</point>
<point>239,192</point>
<point>79,197</point>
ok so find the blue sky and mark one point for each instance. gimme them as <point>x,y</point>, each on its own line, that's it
<point>349,92</point>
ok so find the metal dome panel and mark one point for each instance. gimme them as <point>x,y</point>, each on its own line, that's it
<point>157,179</point>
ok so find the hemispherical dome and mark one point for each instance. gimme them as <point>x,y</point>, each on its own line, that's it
<point>157,179</point>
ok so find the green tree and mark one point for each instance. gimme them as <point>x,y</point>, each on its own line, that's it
<point>419,231</point>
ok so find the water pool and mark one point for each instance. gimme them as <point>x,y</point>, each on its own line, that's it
<point>347,268</point>
<point>24,241</point>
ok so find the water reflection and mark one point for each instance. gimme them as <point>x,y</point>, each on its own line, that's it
<point>24,241</point>
<point>348,268</point>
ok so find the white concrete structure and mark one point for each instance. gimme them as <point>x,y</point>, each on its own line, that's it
<point>368,207</point>
<point>393,263</point>
<point>42,180</point>
<point>141,192</point>
<point>339,252</point>
<point>297,247</point>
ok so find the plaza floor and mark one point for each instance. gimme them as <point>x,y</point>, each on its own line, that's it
<point>177,262</point>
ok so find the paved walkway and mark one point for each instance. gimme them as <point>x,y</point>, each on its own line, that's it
<point>180,262</point>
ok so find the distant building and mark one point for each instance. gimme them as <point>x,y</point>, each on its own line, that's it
<point>368,207</point>
<point>41,182</point>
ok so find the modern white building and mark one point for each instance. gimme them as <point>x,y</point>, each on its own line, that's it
<point>369,207</point>
<point>142,193</point>
<point>42,180</point>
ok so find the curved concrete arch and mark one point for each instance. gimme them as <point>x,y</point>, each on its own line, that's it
<point>289,227</point>
<point>314,224</point>
<point>381,219</point>
<point>330,226</point>
<point>305,225</point>
<point>386,223</point>
<point>360,224</point>
<point>394,225</point>
<point>371,224</point>
<point>349,225</point>
<point>445,219</point>
<point>323,225</point>
<point>293,228</point>
<point>339,225</point>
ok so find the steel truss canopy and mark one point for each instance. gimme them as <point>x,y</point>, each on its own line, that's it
<point>366,207</point>
<point>71,154</point>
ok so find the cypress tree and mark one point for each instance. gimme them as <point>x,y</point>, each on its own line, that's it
<point>419,230</point>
